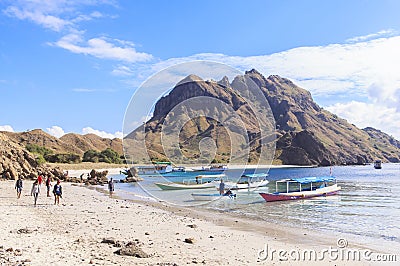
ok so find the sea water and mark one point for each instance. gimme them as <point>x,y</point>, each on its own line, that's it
<point>367,206</point>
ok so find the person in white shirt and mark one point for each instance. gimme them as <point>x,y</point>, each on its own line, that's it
<point>35,190</point>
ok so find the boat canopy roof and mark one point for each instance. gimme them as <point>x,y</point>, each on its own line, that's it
<point>312,179</point>
<point>255,175</point>
<point>211,176</point>
<point>169,163</point>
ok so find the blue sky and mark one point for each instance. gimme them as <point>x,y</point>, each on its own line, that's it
<point>72,66</point>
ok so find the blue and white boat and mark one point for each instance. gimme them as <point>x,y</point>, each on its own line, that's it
<point>247,181</point>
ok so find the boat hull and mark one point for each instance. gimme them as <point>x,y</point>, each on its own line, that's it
<point>327,191</point>
<point>210,197</point>
<point>175,186</point>
<point>237,186</point>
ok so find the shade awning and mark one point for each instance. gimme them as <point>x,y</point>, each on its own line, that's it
<point>312,179</point>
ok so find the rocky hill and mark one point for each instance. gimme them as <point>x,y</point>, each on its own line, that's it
<point>16,161</point>
<point>306,134</point>
<point>92,142</point>
<point>70,143</point>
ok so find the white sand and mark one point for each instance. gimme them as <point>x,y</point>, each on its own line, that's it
<point>71,234</point>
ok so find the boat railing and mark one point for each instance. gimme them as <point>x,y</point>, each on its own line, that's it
<point>196,181</point>
<point>304,187</point>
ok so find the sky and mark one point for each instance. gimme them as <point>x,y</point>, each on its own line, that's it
<point>73,66</point>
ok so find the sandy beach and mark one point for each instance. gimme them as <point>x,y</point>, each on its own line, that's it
<point>72,233</point>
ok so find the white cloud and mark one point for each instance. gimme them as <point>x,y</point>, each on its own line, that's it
<point>103,48</point>
<point>83,90</point>
<point>103,134</point>
<point>6,128</point>
<point>366,69</point>
<point>65,16</point>
<point>369,115</point>
<point>122,71</point>
<point>382,33</point>
<point>324,70</point>
<point>47,21</point>
<point>54,15</point>
<point>94,14</point>
<point>56,131</point>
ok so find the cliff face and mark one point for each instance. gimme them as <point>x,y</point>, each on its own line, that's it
<point>320,137</point>
<point>183,101</point>
<point>306,133</point>
<point>15,161</point>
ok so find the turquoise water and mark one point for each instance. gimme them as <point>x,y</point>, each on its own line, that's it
<point>368,204</point>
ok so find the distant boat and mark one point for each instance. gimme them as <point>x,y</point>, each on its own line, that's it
<point>156,168</point>
<point>378,164</point>
<point>210,197</point>
<point>210,168</point>
<point>179,169</point>
<point>246,182</point>
<point>306,187</point>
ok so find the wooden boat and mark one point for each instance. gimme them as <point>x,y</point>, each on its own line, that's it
<point>200,182</point>
<point>378,164</point>
<point>210,197</point>
<point>306,187</point>
<point>178,186</point>
<point>210,168</point>
<point>178,169</point>
<point>157,168</point>
<point>246,182</point>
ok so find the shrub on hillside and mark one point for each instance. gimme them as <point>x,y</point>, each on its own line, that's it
<point>34,148</point>
<point>39,159</point>
<point>107,156</point>
<point>63,158</point>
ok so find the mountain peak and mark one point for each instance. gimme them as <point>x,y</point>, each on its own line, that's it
<point>252,71</point>
<point>190,78</point>
<point>224,82</point>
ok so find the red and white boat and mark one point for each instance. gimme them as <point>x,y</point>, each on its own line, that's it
<point>303,188</point>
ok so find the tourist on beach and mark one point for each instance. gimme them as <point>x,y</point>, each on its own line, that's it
<point>18,187</point>
<point>48,185</point>
<point>221,187</point>
<point>35,190</point>
<point>40,179</point>
<point>57,191</point>
<point>111,186</point>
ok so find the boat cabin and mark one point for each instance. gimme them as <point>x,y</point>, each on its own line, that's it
<point>303,184</point>
<point>156,168</point>
<point>378,164</point>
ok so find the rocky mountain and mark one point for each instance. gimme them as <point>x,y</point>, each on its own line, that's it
<point>306,134</point>
<point>69,143</point>
<point>16,161</point>
<point>92,142</point>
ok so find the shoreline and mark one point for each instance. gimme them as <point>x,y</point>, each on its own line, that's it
<point>71,234</point>
<point>75,170</point>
